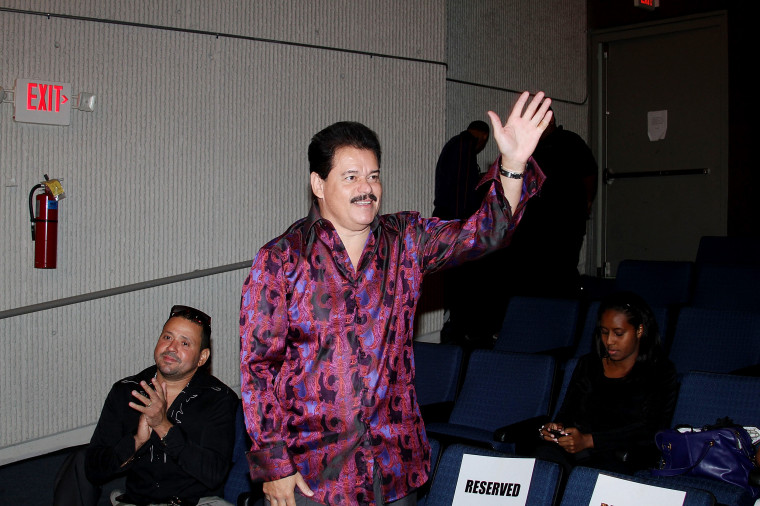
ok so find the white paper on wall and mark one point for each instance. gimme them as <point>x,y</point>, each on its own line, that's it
<point>657,125</point>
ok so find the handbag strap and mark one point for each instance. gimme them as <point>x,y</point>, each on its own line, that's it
<point>682,470</point>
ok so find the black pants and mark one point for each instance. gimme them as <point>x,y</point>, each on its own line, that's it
<point>72,488</point>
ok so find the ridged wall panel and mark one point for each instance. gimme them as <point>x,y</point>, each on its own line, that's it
<point>393,27</point>
<point>194,157</point>
<point>196,152</point>
<point>538,45</point>
<point>58,365</point>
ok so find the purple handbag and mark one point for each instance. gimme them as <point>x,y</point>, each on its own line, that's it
<point>720,453</point>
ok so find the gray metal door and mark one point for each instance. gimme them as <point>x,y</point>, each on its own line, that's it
<point>660,130</point>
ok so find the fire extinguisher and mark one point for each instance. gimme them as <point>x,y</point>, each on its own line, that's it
<point>44,217</point>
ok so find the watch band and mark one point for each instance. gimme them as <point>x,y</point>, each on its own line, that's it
<point>510,174</point>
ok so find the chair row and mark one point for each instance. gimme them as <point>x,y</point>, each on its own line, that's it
<point>723,276</point>
<point>681,283</point>
<point>716,340</point>
<point>728,250</point>
<point>503,388</point>
<point>544,488</point>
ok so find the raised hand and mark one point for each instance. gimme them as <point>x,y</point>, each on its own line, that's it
<point>518,137</point>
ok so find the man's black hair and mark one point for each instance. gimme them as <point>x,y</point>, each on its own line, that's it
<point>326,142</point>
<point>205,329</point>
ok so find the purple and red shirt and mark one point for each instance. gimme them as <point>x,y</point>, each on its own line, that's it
<point>327,370</point>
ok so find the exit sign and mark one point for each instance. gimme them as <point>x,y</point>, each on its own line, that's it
<point>45,102</point>
<point>647,4</point>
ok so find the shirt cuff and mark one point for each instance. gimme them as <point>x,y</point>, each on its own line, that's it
<point>125,449</point>
<point>532,181</point>
<point>173,442</point>
<point>271,464</point>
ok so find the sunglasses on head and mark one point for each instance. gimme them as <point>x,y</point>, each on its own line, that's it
<point>191,313</point>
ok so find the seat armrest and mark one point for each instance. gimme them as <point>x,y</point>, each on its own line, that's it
<point>519,431</point>
<point>437,412</point>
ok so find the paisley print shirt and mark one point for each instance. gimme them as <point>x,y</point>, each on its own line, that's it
<point>327,371</point>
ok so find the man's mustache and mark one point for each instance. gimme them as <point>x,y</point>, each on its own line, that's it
<point>366,196</point>
<point>171,354</point>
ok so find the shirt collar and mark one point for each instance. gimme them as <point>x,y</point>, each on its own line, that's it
<point>315,217</point>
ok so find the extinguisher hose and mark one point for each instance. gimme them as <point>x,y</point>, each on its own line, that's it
<point>31,210</point>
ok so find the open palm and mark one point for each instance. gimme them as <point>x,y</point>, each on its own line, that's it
<point>518,137</point>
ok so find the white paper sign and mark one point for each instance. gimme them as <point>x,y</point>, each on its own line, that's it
<point>493,481</point>
<point>611,491</point>
<point>657,125</point>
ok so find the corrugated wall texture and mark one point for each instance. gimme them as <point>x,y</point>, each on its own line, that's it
<point>196,152</point>
<point>194,157</point>
<point>538,45</point>
<point>495,50</point>
<point>466,103</point>
<point>392,27</point>
<point>58,365</point>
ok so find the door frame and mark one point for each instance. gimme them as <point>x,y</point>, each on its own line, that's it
<point>598,39</point>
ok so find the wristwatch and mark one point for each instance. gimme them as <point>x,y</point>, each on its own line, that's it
<point>510,174</point>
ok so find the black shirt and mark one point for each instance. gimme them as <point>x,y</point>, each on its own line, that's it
<point>193,459</point>
<point>620,413</point>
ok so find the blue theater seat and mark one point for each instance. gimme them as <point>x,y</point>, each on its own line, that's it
<point>543,486</point>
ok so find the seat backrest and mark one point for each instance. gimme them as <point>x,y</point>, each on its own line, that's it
<point>660,283</point>
<point>438,368</point>
<point>502,388</point>
<point>705,397</point>
<point>586,338</point>
<point>566,376</point>
<point>543,485</point>
<point>715,340</point>
<point>238,479</point>
<point>582,481</point>
<point>536,324</point>
<point>729,250</point>
<point>727,287</point>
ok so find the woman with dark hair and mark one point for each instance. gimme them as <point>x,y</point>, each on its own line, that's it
<point>619,396</point>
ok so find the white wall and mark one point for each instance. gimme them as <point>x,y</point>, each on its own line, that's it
<point>196,155</point>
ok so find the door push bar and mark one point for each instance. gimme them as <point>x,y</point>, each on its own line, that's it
<point>608,176</point>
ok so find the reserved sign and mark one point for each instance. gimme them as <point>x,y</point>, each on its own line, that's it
<point>493,480</point>
<point>611,491</point>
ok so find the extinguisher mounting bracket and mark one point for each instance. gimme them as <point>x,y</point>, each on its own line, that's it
<point>54,188</point>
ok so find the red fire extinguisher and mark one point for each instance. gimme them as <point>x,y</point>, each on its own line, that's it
<point>44,218</point>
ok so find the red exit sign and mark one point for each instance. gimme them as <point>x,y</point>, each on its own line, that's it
<point>647,4</point>
<point>44,102</point>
